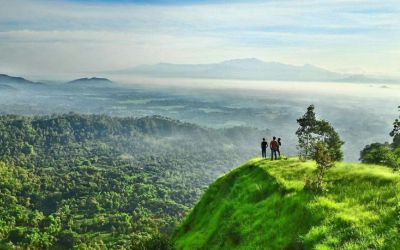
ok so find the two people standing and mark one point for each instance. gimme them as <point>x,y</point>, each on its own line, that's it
<point>274,145</point>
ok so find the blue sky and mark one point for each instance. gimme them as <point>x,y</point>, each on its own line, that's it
<point>65,37</point>
<point>159,2</point>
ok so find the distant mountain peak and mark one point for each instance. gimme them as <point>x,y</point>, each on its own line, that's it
<point>15,80</point>
<point>243,60</point>
<point>91,80</point>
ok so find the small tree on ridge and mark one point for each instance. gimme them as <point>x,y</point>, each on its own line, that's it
<point>318,141</point>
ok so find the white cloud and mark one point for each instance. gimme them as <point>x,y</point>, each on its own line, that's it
<point>57,36</point>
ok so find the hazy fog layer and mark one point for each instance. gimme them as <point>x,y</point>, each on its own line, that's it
<point>362,113</point>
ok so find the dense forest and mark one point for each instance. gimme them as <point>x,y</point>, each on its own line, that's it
<point>94,181</point>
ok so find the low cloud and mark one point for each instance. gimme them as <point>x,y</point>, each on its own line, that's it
<point>331,34</point>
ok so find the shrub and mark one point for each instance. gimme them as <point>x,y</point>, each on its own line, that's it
<point>159,242</point>
<point>324,162</point>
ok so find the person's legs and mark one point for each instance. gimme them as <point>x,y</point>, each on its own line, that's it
<point>279,152</point>
<point>264,154</point>
<point>275,154</point>
<point>272,155</point>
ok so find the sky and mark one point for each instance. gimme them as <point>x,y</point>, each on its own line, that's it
<point>57,38</point>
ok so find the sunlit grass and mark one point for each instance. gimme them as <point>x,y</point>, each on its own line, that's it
<point>262,205</point>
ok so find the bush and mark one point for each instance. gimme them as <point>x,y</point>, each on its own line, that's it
<point>159,242</point>
<point>381,154</point>
<point>324,162</point>
<point>375,153</point>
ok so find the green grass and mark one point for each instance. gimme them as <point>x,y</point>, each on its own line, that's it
<point>262,205</point>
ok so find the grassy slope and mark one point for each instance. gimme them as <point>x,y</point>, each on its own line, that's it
<point>262,205</point>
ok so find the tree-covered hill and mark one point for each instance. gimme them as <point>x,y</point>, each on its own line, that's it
<point>95,182</point>
<point>263,205</point>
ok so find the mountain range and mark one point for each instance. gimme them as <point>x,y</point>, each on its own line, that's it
<point>13,83</point>
<point>246,69</point>
<point>236,69</point>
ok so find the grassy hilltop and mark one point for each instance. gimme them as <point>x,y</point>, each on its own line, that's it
<point>262,205</point>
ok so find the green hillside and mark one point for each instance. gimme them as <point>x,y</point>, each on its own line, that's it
<point>262,205</point>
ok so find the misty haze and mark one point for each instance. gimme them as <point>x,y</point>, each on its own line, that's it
<point>189,125</point>
<point>266,105</point>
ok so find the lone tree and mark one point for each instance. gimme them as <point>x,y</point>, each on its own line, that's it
<point>318,141</point>
<point>313,131</point>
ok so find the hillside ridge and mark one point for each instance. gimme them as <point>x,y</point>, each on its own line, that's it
<point>263,205</point>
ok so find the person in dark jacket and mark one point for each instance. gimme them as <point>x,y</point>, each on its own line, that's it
<point>279,146</point>
<point>274,146</point>
<point>264,146</point>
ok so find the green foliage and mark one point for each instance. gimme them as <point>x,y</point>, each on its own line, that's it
<point>395,133</point>
<point>312,131</point>
<point>97,182</point>
<point>263,203</point>
<point>376,153</point>
<point>328,136</point>
<point>396,141</point>
<point>159,242</point>
<point>396,127</point>
<point>307,123</point>
<point>384,154</point>
<point>381,154</point>
<point>319,141</point>
<point>324,162</point>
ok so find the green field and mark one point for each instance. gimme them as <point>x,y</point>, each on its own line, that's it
<point>262,205</point>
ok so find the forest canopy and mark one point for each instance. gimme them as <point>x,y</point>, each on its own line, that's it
<point>94,180</point>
